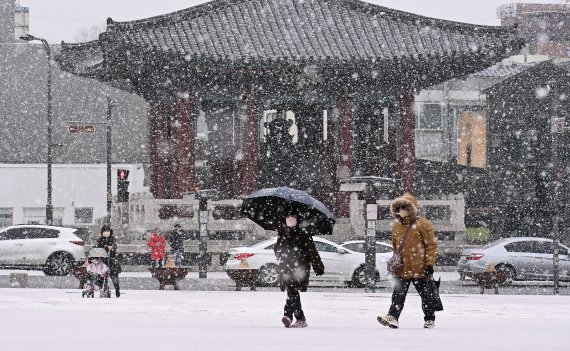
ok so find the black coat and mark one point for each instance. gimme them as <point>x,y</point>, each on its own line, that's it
<point>176,241</point>
<point>296,252</point>
<point>105,242</point>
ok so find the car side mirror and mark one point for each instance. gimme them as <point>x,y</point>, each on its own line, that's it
<point>341,251</point>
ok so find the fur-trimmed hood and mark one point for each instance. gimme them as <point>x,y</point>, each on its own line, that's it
<point>407,201</point>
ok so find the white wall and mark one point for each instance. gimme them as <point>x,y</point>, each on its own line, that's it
<point>73,186</point>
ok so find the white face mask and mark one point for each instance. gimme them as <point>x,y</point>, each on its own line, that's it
<point>291,221</point>
<point>403,213</point>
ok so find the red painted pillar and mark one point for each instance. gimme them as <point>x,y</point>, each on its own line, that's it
<point>407,155</point>
<point>186,145</point>
<point>152,146</point>
<point>344,161</point>
<point>249,169</point>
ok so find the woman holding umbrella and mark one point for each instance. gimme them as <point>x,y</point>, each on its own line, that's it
<point>297,252</point>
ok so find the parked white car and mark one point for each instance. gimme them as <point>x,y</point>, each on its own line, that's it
<point>383,249</point>
<point>51,249</point>
<point>342,265</point>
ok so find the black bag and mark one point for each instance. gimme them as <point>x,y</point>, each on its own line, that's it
<point>396,262</point>
<point>432,288</point>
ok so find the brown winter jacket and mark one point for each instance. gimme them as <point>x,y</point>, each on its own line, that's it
<point>420,247</point>
<point>297,252</point>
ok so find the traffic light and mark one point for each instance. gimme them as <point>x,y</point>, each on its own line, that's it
<point>122,185</point>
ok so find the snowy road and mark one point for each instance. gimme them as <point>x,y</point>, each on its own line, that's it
<point>59,319</point>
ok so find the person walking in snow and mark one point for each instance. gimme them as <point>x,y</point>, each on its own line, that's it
<point>419,253</point>
<point>176,241</point>
<point>296,251</point>
<point>107,241</point>
<point>157,244</point>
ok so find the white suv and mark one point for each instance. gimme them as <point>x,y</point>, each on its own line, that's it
<point>51,249</point>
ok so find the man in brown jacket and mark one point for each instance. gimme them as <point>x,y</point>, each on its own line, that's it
<point>418,254</point>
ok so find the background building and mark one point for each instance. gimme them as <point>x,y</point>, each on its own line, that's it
<point>79,176</point>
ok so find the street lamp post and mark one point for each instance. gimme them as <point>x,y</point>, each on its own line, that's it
<point>49,205</point>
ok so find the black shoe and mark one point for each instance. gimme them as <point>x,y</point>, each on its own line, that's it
<point>117,293</point>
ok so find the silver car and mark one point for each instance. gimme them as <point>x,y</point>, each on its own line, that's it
<point>52,249</point>
<point>522,258</point>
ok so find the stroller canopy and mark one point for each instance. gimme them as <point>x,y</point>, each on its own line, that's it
<point>97,252</point>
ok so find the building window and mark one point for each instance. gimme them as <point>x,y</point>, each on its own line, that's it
<point>6,217</point>
<point>34,215</point>
<point>472,139</point>
<point>84,215</point>
<point>438,213</point>
<point>429,116</point>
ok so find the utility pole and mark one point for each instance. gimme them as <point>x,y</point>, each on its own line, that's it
<point>371,213</point>
<point>88,127</point>
<point>49,204</point>
<point>203,229</point>
<point>110,104</point>
<point>559,127</point>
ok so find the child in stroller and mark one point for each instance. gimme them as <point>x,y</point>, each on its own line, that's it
<point>96,273</point>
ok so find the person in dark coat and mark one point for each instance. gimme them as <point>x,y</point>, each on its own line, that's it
<point>107,241</point>
<point>419,254</point>
<point>296,251</point>
<point>176,242</point>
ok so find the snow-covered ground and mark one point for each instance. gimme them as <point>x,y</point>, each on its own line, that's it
<point>59,319</point>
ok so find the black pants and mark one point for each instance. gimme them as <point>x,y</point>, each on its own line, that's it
<point>293,304</point>
<point>401,291</point>
<point>115,280</point>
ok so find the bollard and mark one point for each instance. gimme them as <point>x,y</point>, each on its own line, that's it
<point>18,280</point>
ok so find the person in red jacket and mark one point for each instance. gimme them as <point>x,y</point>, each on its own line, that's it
<point>157,244</point>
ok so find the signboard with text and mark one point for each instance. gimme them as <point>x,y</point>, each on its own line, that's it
<point>81,128</point>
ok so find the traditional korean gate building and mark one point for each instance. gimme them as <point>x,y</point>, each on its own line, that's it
<point>346,70</point>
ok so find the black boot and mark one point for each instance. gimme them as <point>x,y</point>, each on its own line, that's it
<point>117,292</point>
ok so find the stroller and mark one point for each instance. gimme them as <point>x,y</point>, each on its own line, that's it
<point>97,274</point>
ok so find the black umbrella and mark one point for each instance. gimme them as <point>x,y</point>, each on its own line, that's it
<point>268,207</point>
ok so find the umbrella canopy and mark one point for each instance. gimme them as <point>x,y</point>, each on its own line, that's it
<point>268,208</point>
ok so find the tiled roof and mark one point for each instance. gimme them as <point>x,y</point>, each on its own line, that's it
<point>502,71</point>
<point>326,31</point>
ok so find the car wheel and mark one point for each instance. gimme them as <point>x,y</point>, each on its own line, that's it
<point>59,264</point>
<point>359,278</point>
<point>509,271</point>
<point>269,275</point>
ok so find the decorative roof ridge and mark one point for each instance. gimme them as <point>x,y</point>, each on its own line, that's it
<point>173,17</point>
<point>86,44</point>
<point>209,7</point>
<point>410,16</point>
<point>529,71</point>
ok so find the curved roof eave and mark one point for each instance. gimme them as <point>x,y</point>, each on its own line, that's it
<point>293,31</point>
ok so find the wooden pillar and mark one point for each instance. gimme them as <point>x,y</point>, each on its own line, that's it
<point>249,169</point>
<point>152,146</point>
<point>186,145</point>
<point>344,161</point>
<point>407,155</point>
<point>160,136</point>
